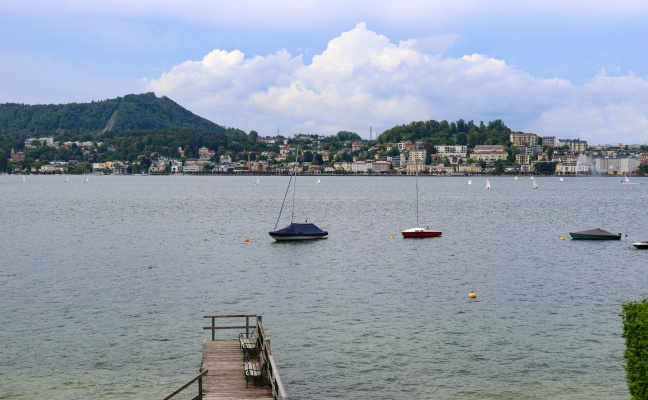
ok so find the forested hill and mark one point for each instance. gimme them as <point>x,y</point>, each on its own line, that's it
<point>449,133</point>
<point>129,115</point>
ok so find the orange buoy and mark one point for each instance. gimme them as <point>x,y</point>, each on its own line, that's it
<point>392,236</point>
<point>472,295</point>
<point>246,240</point>
<point>562,238</point>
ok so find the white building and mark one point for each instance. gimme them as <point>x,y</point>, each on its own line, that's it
<point>616,165</point>
<point>452,151</point>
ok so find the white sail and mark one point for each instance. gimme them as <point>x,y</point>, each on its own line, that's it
<point>487,184</point>
<point>469,182</point>
<point>535,184</point>
<point>318,181</point>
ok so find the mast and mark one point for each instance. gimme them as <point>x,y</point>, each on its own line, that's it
<point>292,217</point>
<point>286,195</point>
<point>417,206</point>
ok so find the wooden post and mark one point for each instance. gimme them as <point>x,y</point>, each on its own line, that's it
<point>213,330</point>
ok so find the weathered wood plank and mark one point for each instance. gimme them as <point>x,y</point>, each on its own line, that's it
<point>226,377</point>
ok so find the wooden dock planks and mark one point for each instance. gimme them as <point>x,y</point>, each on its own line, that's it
<point>226,377</point>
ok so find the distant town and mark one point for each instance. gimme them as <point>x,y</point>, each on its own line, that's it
<point>528,154</point>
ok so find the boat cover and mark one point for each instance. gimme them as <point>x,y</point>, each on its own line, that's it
<point>595,232</point>
<point>296,229</point>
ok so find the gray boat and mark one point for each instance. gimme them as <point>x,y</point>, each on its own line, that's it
<point>595,234</point>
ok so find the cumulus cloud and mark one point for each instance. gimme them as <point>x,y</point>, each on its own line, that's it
<point>364,79</point>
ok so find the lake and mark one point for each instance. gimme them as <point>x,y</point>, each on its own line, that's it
<point>103,285</point>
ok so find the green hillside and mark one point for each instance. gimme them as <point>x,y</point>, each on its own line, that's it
<point>116,117</point>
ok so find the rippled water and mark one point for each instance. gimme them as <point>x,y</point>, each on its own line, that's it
<point>103,285</point>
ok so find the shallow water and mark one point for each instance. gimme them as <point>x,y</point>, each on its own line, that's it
<point>103,285</point>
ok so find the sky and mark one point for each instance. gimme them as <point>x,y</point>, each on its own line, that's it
<point>573,69</point>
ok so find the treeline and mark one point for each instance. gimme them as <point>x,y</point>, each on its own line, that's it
<point>437,133</point>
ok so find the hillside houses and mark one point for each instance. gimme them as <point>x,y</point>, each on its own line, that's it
<point>523,153</point>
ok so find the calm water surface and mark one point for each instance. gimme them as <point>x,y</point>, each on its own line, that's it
<point>103,285</point>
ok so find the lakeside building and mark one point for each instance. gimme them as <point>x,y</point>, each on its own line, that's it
<point>381,167</point>
<point>489,153</point>
<point>459,151</point>
<point>414,166</point>
<point>361,167</point>
<point>469,169</point>
<point>573,168</point>
<point>614,166</point>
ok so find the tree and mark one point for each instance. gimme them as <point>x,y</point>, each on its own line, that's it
<point>498,168</point>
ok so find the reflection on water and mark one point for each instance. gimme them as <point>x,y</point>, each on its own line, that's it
<point>104,285</point>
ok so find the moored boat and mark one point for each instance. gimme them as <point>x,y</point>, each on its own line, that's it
<point>640,245</point>
<point>595,234</point>
<point>298,231</point>
<point>420,233</point>
<point>295,231</point>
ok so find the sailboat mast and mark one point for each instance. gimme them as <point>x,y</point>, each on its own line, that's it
<point>417,206</point>
<point>292,217</point>
<point>286,195</point>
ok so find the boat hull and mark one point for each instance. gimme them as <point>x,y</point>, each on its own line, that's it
<point>280,238</point>
<point>641,245</point>
<point>296,231</point>
<point>420,233</point>
<point>594,237</point>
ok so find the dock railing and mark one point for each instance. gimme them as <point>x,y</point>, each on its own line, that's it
<point>186,385</point>
<point>271,372</point>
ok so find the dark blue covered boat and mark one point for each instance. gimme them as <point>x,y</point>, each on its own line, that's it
<point>296,231</point>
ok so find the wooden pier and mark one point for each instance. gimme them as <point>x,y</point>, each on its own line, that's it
<point>224,372</point>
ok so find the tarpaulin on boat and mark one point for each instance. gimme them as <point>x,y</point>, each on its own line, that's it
<point>296,229</point>
<point>595,234</point>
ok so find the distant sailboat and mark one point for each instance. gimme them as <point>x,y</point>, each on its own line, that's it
<point>318,181</point>
<point>561,179</point>
<point>625,179</point>
<point>87,180</point>
<point>257,182</point>
<point>23,179</point>
<point>418,232</point>
<point>516,178</point>
<point>535,184</point>
<point>469,181</point>
<point>487,184</point>
<point>66,179</point>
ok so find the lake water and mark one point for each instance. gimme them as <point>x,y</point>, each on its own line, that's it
<point>103,285</point>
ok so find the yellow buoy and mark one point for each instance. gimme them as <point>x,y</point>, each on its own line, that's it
<point>472,295</point>
<point>392,236</point>
<point>246,240</point>
<point>562,238</point>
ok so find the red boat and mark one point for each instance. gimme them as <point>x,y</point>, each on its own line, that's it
<point>420,233</point>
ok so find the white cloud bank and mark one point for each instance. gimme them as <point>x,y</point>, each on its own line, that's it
<point>362,79</point>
